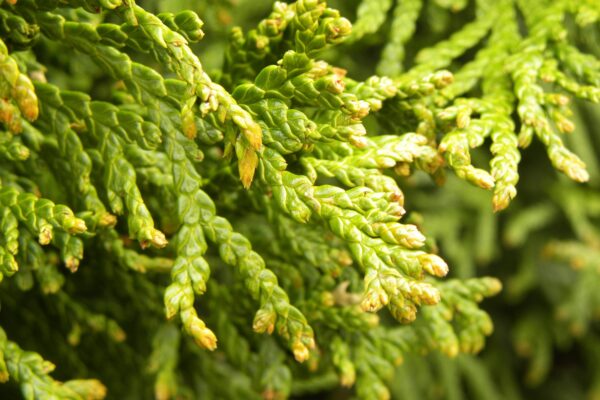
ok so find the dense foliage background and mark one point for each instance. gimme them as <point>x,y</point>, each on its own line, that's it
<point>107,322</point>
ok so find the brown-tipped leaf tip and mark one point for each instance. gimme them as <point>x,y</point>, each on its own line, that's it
<point>78,226</point>
<point>300,351</point>
<point>247,165</point>
<point>107,220</point>
<point>158,239</point>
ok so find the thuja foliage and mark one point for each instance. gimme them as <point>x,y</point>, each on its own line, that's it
<point>265,212</point>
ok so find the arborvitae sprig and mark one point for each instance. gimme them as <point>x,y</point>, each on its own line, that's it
<point>370,15</point>
<point>163,361</point>
<point>32,374</point>
<point>17,93</point>
<point>545,55</point>
<point>401,30</point>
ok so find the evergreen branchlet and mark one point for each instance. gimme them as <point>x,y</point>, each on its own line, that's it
<point>280,193</point>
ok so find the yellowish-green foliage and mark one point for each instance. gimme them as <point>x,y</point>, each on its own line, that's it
<point>273,227</point>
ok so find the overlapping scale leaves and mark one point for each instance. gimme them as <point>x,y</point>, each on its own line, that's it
<point>261,207</point>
